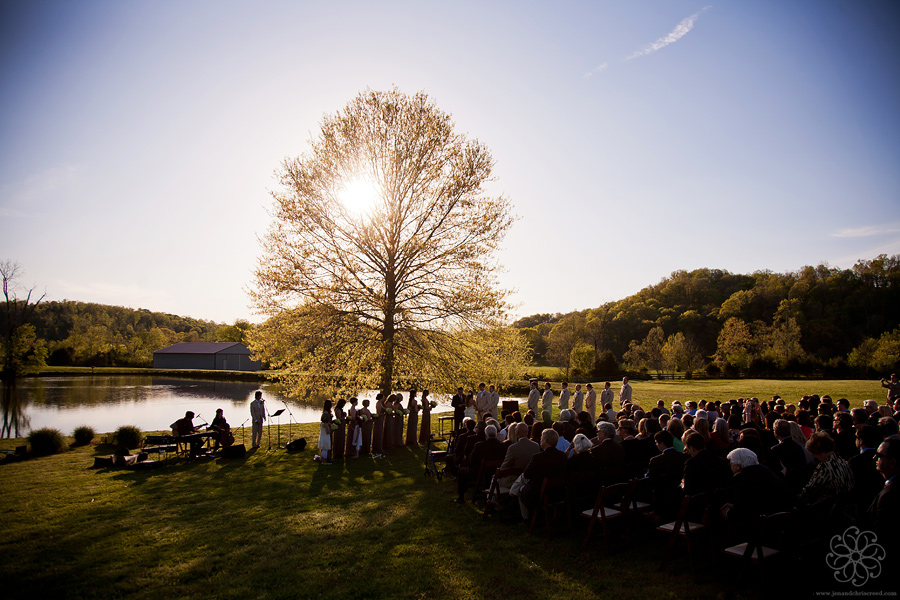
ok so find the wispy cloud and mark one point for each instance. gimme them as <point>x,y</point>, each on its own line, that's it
<point>868,231</point>
<point>679,32</point>
<point>19,197</point>
<point>597,69</point>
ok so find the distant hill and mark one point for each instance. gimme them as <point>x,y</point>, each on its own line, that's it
<point>818,319</point>
<point>84,333</point>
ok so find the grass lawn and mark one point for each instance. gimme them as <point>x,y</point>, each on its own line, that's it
<point>278,525</point>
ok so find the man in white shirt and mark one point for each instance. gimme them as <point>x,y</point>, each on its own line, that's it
<point>547,399</point>
<point>578,401</point>
<point>590,403</point>
<point>257,418</point>
<point>534,397</point>
<point>625,392</point>
<point>564,396</point>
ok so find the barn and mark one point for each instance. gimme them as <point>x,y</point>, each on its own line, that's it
<point>219,356</point>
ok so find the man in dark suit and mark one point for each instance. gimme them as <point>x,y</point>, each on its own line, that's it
<point>491,449</point>
<point>792,457</point>
<point>665,471</point>
<point>882,516</point>
<point>549,462</point>
<point>703,471</point>
<point>519,454</point>
<point>609,455</point>
<point>459,408</point>
<point>867,481</point>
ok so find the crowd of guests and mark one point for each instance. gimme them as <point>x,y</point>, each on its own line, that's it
<point>816,458</point>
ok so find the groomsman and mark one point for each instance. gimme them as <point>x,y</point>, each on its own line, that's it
<point>590,403</point>
<point>547,399</point>
<point>625,392</point>
<point>493,401</point>
<point>481,401</point>
<point>578,401</point>
<point>606,396</point>
<point>534,397</point>
<point>564,396</point>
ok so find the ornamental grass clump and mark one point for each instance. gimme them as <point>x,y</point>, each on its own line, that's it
<point>46,441</point>
<point>83,435</point>
<point>129,436</point>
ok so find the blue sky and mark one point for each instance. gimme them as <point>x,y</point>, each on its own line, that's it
<point>139,139</point>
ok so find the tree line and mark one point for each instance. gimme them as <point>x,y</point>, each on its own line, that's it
<point>71,333</point>
<point>815,321</point>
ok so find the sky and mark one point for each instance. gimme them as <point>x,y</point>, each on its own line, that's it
<point>139,139</point>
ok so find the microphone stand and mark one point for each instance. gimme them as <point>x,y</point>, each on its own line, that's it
<point>290,421</point>
<point>243,432</point>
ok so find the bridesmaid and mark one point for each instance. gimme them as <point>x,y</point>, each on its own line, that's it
<point>389,420</point>
<point>398,420</point>
<point>325,435</point>
<point>366,416</point>
<point>378,425</point>
<point>352,424</point>
<point>413,421</point>
<point>425,430</point>
<point>340,419</point>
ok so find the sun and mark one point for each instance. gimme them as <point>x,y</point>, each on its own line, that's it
<point>358,195</point>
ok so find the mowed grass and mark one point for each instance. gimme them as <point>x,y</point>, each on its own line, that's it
<point>278,525</point>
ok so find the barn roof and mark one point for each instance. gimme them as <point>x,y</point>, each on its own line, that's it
<point>202,348</point>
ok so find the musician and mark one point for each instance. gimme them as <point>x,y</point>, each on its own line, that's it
<point>184,426</point>
<point>222,429</point>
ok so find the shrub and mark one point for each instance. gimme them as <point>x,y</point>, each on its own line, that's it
<point>129,436</point>
<point>46,441</point>
<point>83,435</point>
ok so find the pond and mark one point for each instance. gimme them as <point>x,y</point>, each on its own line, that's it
<point>151,403</point>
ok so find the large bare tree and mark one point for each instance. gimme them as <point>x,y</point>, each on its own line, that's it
<point>401,287</point>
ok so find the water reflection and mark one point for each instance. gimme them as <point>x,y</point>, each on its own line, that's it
<point>107,402</point>
<point>15,423</point>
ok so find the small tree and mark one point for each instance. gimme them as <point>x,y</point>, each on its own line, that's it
<point>17,343</point>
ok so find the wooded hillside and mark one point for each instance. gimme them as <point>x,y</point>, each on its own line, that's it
<point>815,320</point>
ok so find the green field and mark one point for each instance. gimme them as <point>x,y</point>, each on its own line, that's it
<point>278,525</point>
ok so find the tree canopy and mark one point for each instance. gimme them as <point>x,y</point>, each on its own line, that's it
<point>363,295</point>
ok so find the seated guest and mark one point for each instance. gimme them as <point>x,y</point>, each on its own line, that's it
<point>636,457</point>
<point>456,456</point>
<point>867,481</point>
<point>676,428</point>
<point>562,444</point>
<point>519,453</point>
<point>666,471</point>
<point>888,427</point>
<point>539,426</point>
<point>585,424</point>
<point>703,471</point>
<point>881,516</point>
<point>609,456</point>
<point>793,459</point>
<point>549,462</point>
<point>756,491</point>
<point>720,439</point>
<point>844,435</point>
<point>832,477</point>
<point>491,449</point>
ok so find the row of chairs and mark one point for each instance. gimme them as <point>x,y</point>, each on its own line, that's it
<point>627,504</point>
